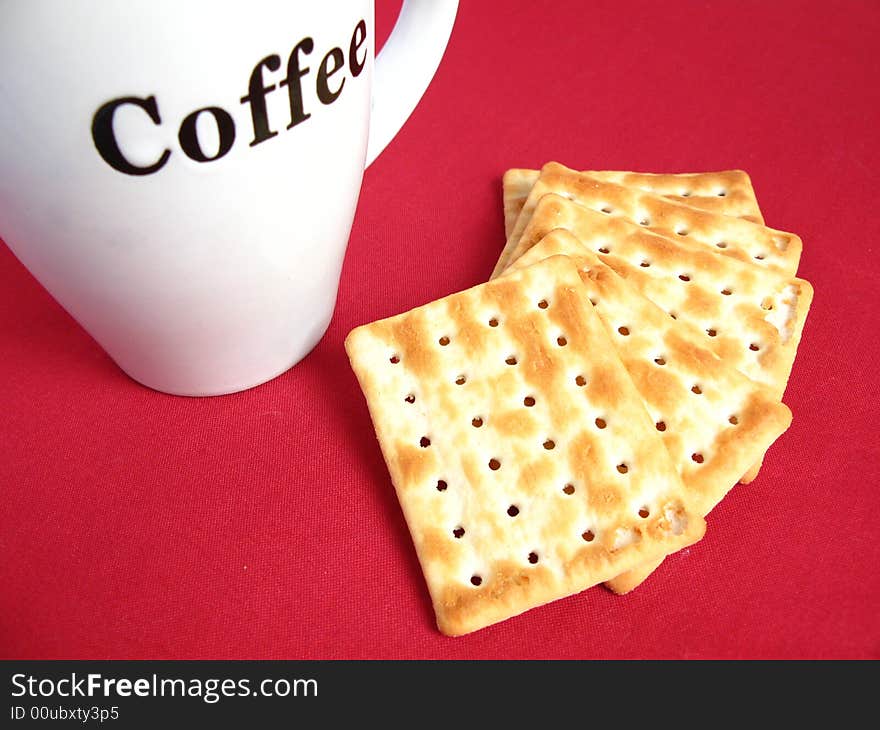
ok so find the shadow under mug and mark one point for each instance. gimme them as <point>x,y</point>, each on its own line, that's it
<point>183,177</point>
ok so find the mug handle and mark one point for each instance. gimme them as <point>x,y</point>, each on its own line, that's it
<point>406,65</point>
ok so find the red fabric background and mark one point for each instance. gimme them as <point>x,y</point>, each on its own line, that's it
<point>264,524</point>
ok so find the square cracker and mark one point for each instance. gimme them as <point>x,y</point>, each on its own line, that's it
<point>714,421</point>
<point>764,247</point>
<point>479,409</point>
<point>728,192</point>
<point>750,317</point>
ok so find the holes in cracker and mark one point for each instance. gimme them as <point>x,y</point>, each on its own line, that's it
<point>513,510</point>
<point>767,304</point>
<point>696,389</point>
<point>726,291</point>
<point>493,322</point>
<point>533,558</point>
<point>494,464</point>
<point>733,421</point>
<point>528,401</point>
<point>543,304</point>
<point>685,193</point>
<point>660,425</point>
<point>424,442</point>
<point>673,315</point>
<point>760,256</point>
<point>623,331</point>
<point>604,249</point>
<point>561,341</point>
<point>697,458</point>
<point>410,398</point>
<point>645,264</point>
<point>645,221</point>
<point>458,532</point>
<point>606,209</point>
<point>476,422</point>
<point>721,244</point>
<point>443,341</point>
<point>712,332</point>
<point>754,347</point>
<point>622,468</point>
<point>549,444</point>
<point>568,489</point>
<point>394,359</point>
<point>682,231</point>
<point>684,277</point>
<point>593,301</point>
<point>461,380</point>
<point>476,580</point>
<point>644,513</point>
<point>721,193</point>
<point>580,381</point>
<point>442,485</point>
<point>600,423</point>
<point>661,361</point>
<point>510,360</point>
<point>588,536</point>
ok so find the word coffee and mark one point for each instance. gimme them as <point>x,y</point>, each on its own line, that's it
<point>327,89</point>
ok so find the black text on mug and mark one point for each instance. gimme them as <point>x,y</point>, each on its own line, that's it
<point>333,62</point>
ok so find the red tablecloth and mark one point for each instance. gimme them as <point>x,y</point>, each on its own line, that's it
<point>264,524</point>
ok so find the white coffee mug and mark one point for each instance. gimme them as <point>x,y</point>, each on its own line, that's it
<point>182,176</point>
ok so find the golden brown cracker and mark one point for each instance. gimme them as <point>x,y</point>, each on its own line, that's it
<point>714,422</point>
<point>764,247</point>
<point>728,192</point>
<point>522,455</point>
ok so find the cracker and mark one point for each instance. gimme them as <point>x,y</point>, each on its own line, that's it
<point>764,247</point>
<point>728,192</point>
<point>713,435</point>
<point>750,317</point>
<point>483,424</point>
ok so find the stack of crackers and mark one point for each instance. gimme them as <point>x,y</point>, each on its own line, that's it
<point>572,421</point>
